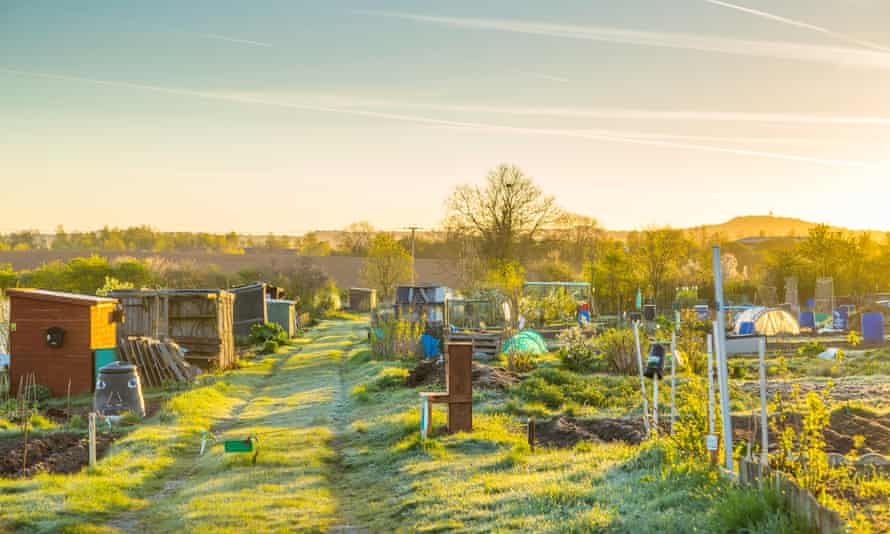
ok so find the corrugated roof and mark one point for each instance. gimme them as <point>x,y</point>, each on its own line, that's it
<point>59,296</point>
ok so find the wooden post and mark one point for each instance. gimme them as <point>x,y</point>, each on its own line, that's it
<point>642,378</point>
<point>531,433</point>
<point>459,381</point>
<point>92,439</point>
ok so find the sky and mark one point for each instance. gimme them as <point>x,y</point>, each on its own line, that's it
<point>287,116</point>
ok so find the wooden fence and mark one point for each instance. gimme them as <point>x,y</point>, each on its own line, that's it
<point>799,500</point>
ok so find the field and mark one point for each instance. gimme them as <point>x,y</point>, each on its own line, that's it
<point>339,450</point>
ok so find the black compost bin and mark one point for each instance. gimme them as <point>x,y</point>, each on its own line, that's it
<point>118,390</point>
<point>655,361</point>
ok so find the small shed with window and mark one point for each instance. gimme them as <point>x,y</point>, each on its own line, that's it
<point>61,338</point>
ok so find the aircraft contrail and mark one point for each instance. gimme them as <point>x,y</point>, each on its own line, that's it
<point>835,55</point>
<point>229,39</point>
<point>615,138</point>
<point>801,24</point>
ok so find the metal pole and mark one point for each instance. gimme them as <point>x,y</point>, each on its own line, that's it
<point>711,383</point>
<point>764,417</point>
<point>642,378</point>
<point>722,367</point>
<point>655,401</point>
<point>673,381</point>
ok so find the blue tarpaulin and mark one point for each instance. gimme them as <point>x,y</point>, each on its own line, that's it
<point>431,346</point>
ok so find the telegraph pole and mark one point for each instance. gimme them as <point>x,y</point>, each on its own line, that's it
<point>413,261</point>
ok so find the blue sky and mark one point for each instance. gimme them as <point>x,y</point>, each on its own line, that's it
<point>636,112</point>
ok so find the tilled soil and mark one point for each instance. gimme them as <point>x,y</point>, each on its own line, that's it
<point>876,390</point>
<point>484,376</point>
<point>566,432</point>
<point>58,452</point>
<point>843,427</point>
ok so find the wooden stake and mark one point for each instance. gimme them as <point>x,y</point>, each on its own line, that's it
<point>531,433</point>
<point>92,439</point>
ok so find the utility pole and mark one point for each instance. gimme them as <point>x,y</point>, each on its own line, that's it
<point>413,256</point>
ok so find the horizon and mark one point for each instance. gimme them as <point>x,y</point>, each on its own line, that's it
<point>123,114</point>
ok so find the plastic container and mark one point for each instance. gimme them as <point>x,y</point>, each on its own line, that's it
<point>119,390</point>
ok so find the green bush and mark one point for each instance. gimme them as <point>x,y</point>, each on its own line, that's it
<point>620,351</point>
<point>561,390</point>
<point>579,353</point>
<point>521,362</point>
<point>270,347</point>
<point>812,348</point>
<point>262,333</point>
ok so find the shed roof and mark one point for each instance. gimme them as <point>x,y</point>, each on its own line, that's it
<point>59,296</point>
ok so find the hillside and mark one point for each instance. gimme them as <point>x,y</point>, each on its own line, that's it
<point>754,226</point>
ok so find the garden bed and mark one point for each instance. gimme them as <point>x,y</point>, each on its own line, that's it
<point>566,432</point>
<point>484,376</point>
<point>57,452</point>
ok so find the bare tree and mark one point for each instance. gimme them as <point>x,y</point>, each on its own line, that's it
<point>388,263</point>
<point>510,208</point>
<point>356,238</point>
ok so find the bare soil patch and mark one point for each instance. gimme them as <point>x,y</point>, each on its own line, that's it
<point>484,376</point>
<point>58,452</point>
<point>566,432</point>
<point>843,427</point>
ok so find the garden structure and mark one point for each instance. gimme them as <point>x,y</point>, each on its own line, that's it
<point>459,389</point>
<point>284,314</point>
<point>199,320</point>
<point>250,305</point>
<point>62,338</point>
<point>362,299</point>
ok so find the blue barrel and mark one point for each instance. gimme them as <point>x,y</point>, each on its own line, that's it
<point>873,328</point>
<point>807,320</point>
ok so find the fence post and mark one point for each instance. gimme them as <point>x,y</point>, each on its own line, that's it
<point>531,433</point>
<point>92,439</point>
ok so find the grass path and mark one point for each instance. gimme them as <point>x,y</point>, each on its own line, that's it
<point>293,413</point>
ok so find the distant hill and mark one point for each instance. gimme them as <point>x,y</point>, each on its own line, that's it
<point>753,227</point>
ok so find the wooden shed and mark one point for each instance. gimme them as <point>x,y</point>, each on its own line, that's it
<point>61,337</point>
<point>283,313</point>
<point>199,320</point>
<point>362,299</point>
<point>251,307</point>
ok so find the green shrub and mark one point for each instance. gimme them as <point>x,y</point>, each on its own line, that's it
<point>812,348</point>
<point>261,333</point>
<point>521,362</point>
<point>620,351</point>
<point>393,338</point>
<point>270,346</point>
<point>389,378</point>
<point>739,371</point>
<point>579,353</point>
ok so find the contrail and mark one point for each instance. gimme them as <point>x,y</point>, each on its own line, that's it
<point>617,138</point>
<point>646,114</point>
<point>834,55</point>
<point>542,76</point>
<point>229,39</point>
<point>801,24</point>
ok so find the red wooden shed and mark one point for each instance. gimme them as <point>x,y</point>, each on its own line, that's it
<point>59,336</point>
